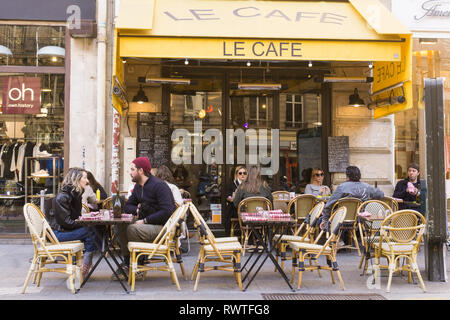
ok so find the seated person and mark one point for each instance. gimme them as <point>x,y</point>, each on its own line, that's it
<point>90,193</point>
<point>164,173</point>
<point>66,209</point>
<point>254,186</point>
<point>151,201</point>
<point>410,189</point>
<point>351,188</point>
<point>316,187</point>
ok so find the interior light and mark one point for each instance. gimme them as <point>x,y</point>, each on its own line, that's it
<point>202,114</point>
<point>354,100</point>
<point>140,96</point>
<point>370,65</point>
<point>310,64</point>
<point>186,62</point>
<point>248,64</point>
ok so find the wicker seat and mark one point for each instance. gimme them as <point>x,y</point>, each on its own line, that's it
<point>351,220</point>
<point>391,202</point>
<point>250,204</point>
<point>159,251</point>
<point>279,200</point>
<point>311,222</point>
<point>302,250</point>
<point>47,248</point>
<point>226,254</point>
<point>400,237</point>
<point>376,208</point>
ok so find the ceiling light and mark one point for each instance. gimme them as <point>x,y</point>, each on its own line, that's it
<point>263,106</point>
<point>427,40</point>
<point>186,62</point>
<point>310,64</point>
<point>202,114</point>
<point>140,96</point>
<point>370,65</point>
<point>259,86</point>
<point>4,51</point>
<point>346,79</point>
<point>248,64</point>
<point>51,51</point>
<point>46,90</point>
<point>354,100</point>
<point>165,80</point>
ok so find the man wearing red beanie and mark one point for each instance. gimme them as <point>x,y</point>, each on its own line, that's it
<point>151,201</point>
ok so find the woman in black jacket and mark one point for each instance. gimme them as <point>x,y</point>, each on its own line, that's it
<point>240,174</point>
<point>67,208</point>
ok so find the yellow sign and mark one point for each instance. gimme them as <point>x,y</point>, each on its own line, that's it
<point>405,91</point>
<point>117,74</point>
<point>258,49</point>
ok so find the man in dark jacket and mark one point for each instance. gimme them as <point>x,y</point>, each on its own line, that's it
<point>151,201</point>
<point>411,191</point>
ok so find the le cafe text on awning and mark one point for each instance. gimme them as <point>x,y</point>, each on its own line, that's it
<point>357,30</point>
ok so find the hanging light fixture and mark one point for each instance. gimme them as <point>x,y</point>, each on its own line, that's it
<point>53,52</point>
<point>140,96</point>
<point>5,52</point>
<point>354,100</point>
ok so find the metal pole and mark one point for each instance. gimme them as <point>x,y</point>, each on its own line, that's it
<point>436,211</point>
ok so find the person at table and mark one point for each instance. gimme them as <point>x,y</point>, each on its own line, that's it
<point>164,173</point>
<point>354,188</point>
<point>66,209</point>
<point>90,193</point>
<point>410,190</point>
<point>240,174</point>
<point>152,203</point>
<point>254,186</point>
<point>316,187</point>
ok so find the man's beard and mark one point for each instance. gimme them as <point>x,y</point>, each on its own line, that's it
<point>135,179</point>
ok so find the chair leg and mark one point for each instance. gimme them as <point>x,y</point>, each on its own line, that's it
<point>294,265</point>
<point>331,270</point>
<point>70,272</point>
<point>195,269</point>
<point>356,241</point>
<point>173,273</point>
<point>237,270</point>
<point>301,268</point>
<point>201,266</point>
<point>391,272</point>
<point>132,272</point>
<point>39,274</point>
<point>30,272</point>
<point>415,268</point>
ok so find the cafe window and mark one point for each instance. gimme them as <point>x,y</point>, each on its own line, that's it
<point>294,110</point>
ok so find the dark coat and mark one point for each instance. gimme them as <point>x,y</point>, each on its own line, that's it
<point>401,193</point>
<point>66,209</point>
<point>156,199</point>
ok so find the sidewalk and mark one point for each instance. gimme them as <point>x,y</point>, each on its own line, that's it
<point>213,285</point>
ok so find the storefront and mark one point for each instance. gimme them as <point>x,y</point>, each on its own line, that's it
<point>35,50</point>
<point>281,72</point>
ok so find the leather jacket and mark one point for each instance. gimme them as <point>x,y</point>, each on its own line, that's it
<point>66,209</point>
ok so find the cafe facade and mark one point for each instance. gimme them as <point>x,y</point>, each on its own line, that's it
<point>309,83</point>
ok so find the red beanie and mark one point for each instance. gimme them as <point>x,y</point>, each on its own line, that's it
<point>144,163</point>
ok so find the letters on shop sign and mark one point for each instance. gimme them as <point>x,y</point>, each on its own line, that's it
<point>389,70</point>
<point>261,49</point>
<point>254,12</point>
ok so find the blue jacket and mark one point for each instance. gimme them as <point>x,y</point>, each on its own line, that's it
<point>157,198</point>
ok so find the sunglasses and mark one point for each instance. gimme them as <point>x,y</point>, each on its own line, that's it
<point>318,174</point>
<point>242,173</point>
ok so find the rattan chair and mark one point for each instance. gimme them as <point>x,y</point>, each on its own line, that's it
<point>107,203</point>
<point>47,248</point>
<point>157,252</point>
<point>400,237</point>
<point>378,208</point>
<point>310,224</point>
<point>226,254</point>
<point>280,200</point>
<point>303,204</point>
<point>85,208</point>
<point>250,204</point>
<point>351,220</point>
<point>391,202</point>
<point>203,231</point>
<point>303,250</point>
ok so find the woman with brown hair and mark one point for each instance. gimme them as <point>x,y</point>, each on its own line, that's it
<point>316,187</point>
<point>254,186</point>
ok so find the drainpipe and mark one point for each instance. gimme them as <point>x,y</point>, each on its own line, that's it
<point>101,91</point>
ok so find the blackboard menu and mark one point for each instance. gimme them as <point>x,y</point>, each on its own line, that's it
<point>338,154</point>
<point>153,137</point>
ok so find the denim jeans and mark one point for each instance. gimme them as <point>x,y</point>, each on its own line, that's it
<point>79,234</point>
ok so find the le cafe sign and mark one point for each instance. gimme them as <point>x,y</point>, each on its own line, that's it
<point>21,95</point>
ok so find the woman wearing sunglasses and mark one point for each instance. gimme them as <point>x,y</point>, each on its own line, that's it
<point>316,187</point>
<point>252,187</point>
<point>240,175</point>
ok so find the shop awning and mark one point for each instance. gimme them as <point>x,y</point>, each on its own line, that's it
<point>357,30</point>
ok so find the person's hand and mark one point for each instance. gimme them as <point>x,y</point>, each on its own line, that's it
<point>323,225</point>
<point>139,221</point>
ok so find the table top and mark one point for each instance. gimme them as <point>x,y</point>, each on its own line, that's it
<point>371,218</point>
<point>105,221</point>
<point>269,221</point>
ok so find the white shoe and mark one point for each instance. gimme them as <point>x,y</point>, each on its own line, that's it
<point>341,243</point>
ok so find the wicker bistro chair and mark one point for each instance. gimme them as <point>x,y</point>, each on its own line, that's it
<point>302,250</point>
<point>351,220</point>
<point>159,251</point>
<point>250,204</point>
<point>303,204</point>
<point>47,248</point>
<point>377,208</point>
<point>400,237</point>
<point>311,225</point>
<point>227,254</point>
<point>391,202</point>
<point>107,203</point>
<point>280,200</point>
<point>204,231</point>
<point>85,208</point>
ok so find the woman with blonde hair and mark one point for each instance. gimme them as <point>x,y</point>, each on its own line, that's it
<point>316,187</point>
<point>254,186</point>
<point>67,208</point>
<point>240,175</point>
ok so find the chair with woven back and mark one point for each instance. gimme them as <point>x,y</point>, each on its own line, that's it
<point>107,203</point>
<point>203,232</point>
<point>47,248</point>
<point>250,204</point>
<point>304,250</point>
<point>85,208</point>
<point>391,202</point>
<point>279,200</point>
<point>301,206</point>
<point>377,208</point>
<point>351,220</point>
<point>310,224</point>
<point>226,254</point>
<point>400,237</point>
<point>159,251</point>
